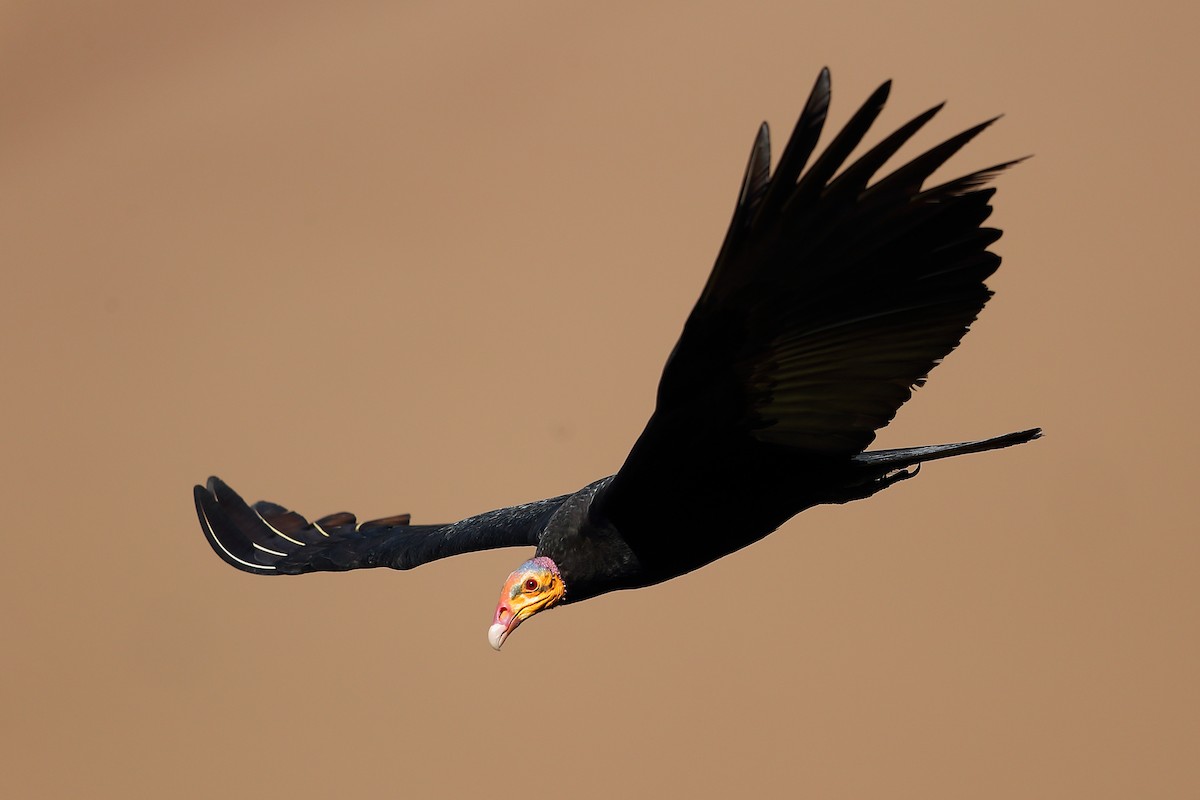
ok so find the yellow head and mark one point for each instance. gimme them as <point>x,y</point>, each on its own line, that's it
<point>532,587</point>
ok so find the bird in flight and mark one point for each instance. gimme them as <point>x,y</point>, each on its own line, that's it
<point>833,296</point>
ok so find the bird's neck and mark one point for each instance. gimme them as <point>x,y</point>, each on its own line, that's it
<point>591,555</point>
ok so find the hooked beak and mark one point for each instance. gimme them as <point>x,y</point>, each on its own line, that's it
<point>505,623</point>
<point>496,636</point>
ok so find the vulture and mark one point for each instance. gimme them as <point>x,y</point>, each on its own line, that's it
<point>834,294</point>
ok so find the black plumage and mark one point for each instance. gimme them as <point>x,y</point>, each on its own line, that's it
<point>831,298</point>
<point>268,539</point>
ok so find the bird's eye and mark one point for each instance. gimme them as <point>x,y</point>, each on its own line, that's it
<point>530,585</point>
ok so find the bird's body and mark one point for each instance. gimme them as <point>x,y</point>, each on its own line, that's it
<point>831,299</point>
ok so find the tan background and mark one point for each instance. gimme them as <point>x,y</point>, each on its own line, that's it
<point>430,258</point>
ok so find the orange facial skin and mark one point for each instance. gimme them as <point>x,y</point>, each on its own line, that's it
<point>532,587</point>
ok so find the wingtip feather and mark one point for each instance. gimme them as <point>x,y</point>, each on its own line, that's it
<point>227,539</point>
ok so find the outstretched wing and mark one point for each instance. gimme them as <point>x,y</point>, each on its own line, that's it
<point>832,297</point>
<point>267,539</point>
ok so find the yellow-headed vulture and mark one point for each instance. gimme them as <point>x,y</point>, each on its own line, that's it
<point>834,294</point>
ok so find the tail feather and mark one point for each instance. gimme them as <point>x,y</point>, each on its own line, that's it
<point>908,456</point>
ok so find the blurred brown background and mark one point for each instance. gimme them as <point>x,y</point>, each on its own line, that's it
<point>428,257</point>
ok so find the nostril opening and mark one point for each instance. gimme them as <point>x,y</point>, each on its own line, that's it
<point>505,614</point>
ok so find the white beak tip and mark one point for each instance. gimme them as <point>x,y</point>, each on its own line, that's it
<point>496,635</point>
